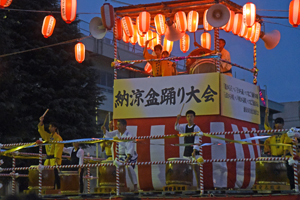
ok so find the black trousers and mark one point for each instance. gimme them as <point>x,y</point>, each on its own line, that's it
<point>57,180</point>
<point>81,180</point>
<point>290,174</point>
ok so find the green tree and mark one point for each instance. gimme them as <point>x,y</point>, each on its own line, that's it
<point>47,78</point>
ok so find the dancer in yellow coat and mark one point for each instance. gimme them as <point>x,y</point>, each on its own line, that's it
<point>53,151</point>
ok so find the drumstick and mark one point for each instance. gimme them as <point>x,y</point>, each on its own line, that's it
<point>105,119</point>
<point>151,39</point>
<point>181,108</point>
<point>45,112</point>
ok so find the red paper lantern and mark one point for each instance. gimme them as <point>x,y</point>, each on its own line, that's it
<point>127,26</point>
<point>125,37</point>
<point>108,16</point>
<point>185,43</point>
<point>79,52</point>
<point>148,67</point>
<point>119,31</point>
<point>160,24</point>
<point>192,21</point>
<point>68,10</point>
<point>244,30</point>
<point>181,23</point>
<point>237,23</point>
<point>157,39</point>
<point>249,14</point>
<point>168,45</point>
<point>142,40</point>
<point>149,36</point>
<point>48,26</point>
<point>255,32</point>
<point>144,21</point>
<point>138,27</point>
<point>228,27</point>
<point>5,3</point>
<point>294,13</point>
<point>134,38</point>
<point>206,40</point>
<point>248,33</point>
<point>206,25</point>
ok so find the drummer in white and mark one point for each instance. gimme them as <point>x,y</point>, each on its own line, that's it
<point>77,156</point>
<point>225,68</point>
<point>190,151</point>
<point>126,149</point>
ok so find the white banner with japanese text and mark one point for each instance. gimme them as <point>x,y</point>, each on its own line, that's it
<point>239,99</point>
<point>165,96</point>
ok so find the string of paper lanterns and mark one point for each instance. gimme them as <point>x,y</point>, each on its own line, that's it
<point>243,25</point>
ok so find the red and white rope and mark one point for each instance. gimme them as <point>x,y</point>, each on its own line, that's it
<point>201,169</point>
<point>16,174</point>
<point>13,182</point>
<point>211,133</point>
<point>295,168</point>
<point>236,65</point>
<point>217,49</point>
<point>248,132</point>
<point>40,171</point>
<point>176,58</point>
<point>255,71</point>
<point>115,48</point>
<point>166,136</point>
<point>247,159</point>
<point>151,163</point>
<point>15,144</point>
<point>89,180</point>
<point>117,171</point>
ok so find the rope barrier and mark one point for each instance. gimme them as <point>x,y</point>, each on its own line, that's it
<point>117,171</point>
<point>295,168</point>
<point>236,65</point>
<point>176,58</point>
<point>153,163</point>
<point>16,174</point>
<point>40,171</point>
<point>201,169</point>
<point>13,183</point>
<point>89,180</point>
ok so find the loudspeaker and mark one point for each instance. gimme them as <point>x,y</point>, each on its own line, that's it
<point>218,15</point>
<point>172,33</point>
<point>271,39</point>
<point>97,29</point>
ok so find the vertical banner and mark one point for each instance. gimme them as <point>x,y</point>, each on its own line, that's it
<point>239,99</point>
<point>164,96</point>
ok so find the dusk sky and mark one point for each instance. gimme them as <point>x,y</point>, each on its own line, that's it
<point>278,68</point>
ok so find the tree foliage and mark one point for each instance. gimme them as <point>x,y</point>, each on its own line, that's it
<point>50,78</point>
